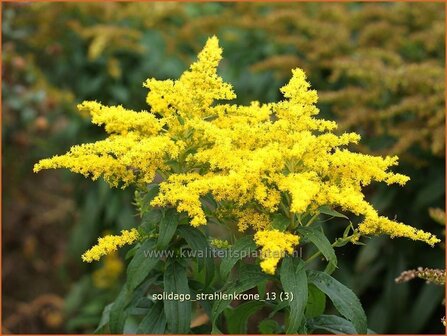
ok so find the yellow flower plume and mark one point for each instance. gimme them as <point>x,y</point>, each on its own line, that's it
<point>110,244</point>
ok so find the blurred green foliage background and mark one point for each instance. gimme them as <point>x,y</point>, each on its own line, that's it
<point>378,68</point>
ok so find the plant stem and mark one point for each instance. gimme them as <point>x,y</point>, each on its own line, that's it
<point>314,217</point>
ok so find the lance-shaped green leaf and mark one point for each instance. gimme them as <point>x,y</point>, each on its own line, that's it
<point>294,280</point>
<point>198,242</point>
<point>105,318</point>
<point>151,219</point>
<point>280,222</point>
<point>124,303</point>
<point>331,212</point>
<point>344,299</point>
<point>333,324</point>
<point>141,264</point>
<point>237,318</point>
<point>154,322</point>
<point>117,315</point>
<point>317,237</point>
<point>178,313</point>
<point>316,302</point>
<point>249,278</point>
<point>168,226</point>
<point>241,248</point>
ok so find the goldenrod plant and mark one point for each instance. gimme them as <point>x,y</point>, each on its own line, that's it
<point>262,176</point>
<point>160,39</point>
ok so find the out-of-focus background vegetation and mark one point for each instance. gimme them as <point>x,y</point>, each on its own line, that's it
<point>378,68</point>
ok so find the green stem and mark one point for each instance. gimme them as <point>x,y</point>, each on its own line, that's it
<point>314,217</point>
<point>292,219</point>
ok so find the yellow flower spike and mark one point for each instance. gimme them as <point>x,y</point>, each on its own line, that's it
<point>110,244</point>
<point>195,91</point>
<point>274,245</point>
<point>381,225</point>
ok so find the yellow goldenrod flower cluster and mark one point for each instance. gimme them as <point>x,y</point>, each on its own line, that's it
<point>108,274</point>
<point>381,225</point>
<point>110,244</point>
<point>274,244</point>
<point>261,158</point>
<point>250,218</point>
<point>133,151</point>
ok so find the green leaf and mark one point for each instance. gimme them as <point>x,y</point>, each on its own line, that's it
<point>294,280</point>
<point>141,264</point>
<point>280,306</point>
<point>178,314</point>
<point>269,327</point>
<point>152,191</point>
<point>131,252</point>
<point>118,315</point>
<point>249,278</point>
<point>280,222</point>
<point>331,212</point>
<point>151,219</point>
<point>242,247</point>
<point>332,323</point>
<point>262,289</point>
<point>198,242</point>
<point>197,288</point>
<point>144,198</point>
<point>168,226</point>
<point>154,322</point>
<point>105,318</point>
<point>316,302</point>
<point>195,239</point>
<point>330,268</point>
<point>141,307</point>
<point>126,301</point>
<point>318,238</point>
<point>344,300</point>
<point>209,203</point>
<point>238,317</point>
